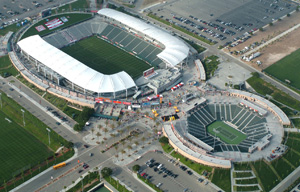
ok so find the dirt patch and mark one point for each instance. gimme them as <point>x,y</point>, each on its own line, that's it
<point>147,3</point>
<point>271,31</point>
<point>277,49</point>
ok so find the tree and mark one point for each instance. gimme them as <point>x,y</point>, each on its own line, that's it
<point>261,29</point>
<point>136,168</point>
<point>112,126</point>
<point>123,152</point>
<point>136,143</point>
<point>106,172</point>
<point>113,136</point>
<point>288,15</point>
<point>69,144</point>
<point>98,135</point>
<point>164,140</point>
<point>143,139</point>
<point>255,74</point>
<point>100,127</point>
<point>116,148</point>
<point>129,147</point>
<point>92,130</point>
<point>77,127</point>
<point>105,130</point>
<point>270,24</point>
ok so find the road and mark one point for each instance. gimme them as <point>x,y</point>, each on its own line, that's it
<point>38,111</point>
<point>212,49</point>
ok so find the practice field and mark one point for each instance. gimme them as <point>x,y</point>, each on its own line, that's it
<point>287,68</point>
<point>226,133</point>
<point>18,149</point>
<point>106,58</point>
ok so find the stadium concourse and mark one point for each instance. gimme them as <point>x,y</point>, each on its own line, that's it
<point>42,58</point>
<point>224,126</point>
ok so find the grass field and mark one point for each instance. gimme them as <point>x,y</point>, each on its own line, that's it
<point>226,133</point>
<point>221,178</point>
<point>72,19</point>
<point>7,67</point>
<point>264,88</point>
<point>106,58</point>
<point>266,175</point>
<point>18,148</point>
<point>287,68</point>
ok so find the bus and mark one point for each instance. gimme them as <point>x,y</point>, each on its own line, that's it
<point>60,165</point>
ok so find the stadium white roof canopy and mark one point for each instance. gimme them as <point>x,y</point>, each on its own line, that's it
<point>175,50</point>
<point>74,70</point>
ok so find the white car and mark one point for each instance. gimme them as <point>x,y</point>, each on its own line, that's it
<point>159,184</point>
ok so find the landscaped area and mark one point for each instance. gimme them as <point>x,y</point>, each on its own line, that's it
<point>211,65</point>
<point>106,58</point>
<point>199,168</point>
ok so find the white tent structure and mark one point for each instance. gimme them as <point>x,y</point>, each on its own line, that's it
<point>175,50</point>
<point>72,69</point>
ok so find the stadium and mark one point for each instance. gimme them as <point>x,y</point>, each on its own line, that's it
<point>109,55</point>
<point>226,126</point>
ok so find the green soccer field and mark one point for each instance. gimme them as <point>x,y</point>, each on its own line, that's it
<point>18,148</point>
<point>106,58</point>
<point>287,68</point>
<point>226,133</point>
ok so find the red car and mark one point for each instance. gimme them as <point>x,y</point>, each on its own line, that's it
<point>143,174</point>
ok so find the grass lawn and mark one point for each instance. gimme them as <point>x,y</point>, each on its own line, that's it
<point>199,168</point>
<point>242,174</point>
<point>264,88</point>
<point>247,181</point>
<point>221,178</point>
<point>294,144</point>
<point>242,166</point>
<point>7,67</point>
<point>12,28</point>
<point>226,133</point>
<point>166,147</point>
<point>199,48</point>
<point>75,6</point>
<point>296,122</point>
<point>106,58</point>
<point>282,167</point>
<point>72,18</point>
<point>287,68</point>
<point>293,158</point>
<point>247,188</point>
<point>18,148</point>
<point>266,175</point>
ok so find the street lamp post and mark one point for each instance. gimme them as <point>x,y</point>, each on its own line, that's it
<point>23,117</point>
<point>48,134</point>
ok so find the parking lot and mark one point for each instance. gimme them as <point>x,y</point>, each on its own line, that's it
<point>223,21</point>
<point>171,177</point>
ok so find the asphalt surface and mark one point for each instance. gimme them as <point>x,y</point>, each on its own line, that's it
<point>222,21</point>
<point>26,8</point>
<point>183,181</point>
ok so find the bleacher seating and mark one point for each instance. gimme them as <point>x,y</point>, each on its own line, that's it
<point>247,121</point>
